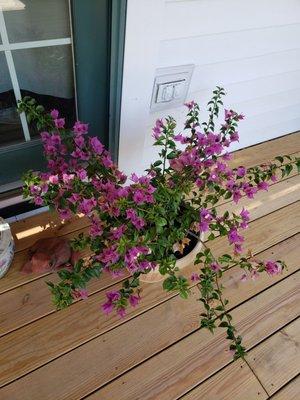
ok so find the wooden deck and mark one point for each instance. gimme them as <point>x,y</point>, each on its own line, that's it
<point>157,352</point>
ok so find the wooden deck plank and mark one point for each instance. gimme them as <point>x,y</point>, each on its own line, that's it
<point>47,224</point>
<point>26,304</point>
<point>31,301</point>
<point>266,231</point>
<point>14,278</point>
<point>27,231</point>
<point>277,360</point>
<point>176,370</point>
<point>278,196</point>
<point>177,318</point>
<point>235,382</point>
<point>137,347</point>
<point>290,391</point>
<point>266,151</point>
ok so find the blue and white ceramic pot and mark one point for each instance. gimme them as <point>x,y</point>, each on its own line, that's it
<point>7,247</point>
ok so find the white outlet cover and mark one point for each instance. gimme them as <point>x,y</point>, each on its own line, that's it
<point>178,78</point>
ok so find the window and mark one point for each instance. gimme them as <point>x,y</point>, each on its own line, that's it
<point>35,59</point>
<point>67,54</point>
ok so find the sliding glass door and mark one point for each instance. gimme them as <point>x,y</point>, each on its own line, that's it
<point>58,52</point>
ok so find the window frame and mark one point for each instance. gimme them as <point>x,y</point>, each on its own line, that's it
<point>99,105</point>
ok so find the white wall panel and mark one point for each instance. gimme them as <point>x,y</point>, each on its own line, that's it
<point>202,17</point>
<point>229,45</point>
<point>229,72</point>
<point>251,48</point>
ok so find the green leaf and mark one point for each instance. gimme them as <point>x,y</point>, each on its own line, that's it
<point>279,158</point>
<point>170,283</point>
<point>288,169</point>
<point>160,221</point>
<point>211,237</point>
<point>172,155</point>
<point>223,324</point>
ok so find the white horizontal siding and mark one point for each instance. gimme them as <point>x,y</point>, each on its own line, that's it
<point>203,17</point>
<point>251,48</point>
<point>254,88</point>
<point>229,72</point>
<point>230,46</point>
<point>261,114</point>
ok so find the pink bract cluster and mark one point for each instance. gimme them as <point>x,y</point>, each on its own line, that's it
<point>82,178</point>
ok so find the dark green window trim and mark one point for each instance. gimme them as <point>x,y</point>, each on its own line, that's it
<point>99,36</point>
<point>117,45</point>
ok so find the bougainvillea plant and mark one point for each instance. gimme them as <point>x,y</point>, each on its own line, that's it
<point>136,222</point>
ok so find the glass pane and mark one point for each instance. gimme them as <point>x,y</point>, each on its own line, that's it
<point>37,20</point>
<point>10,124</point>
<point>46,73</point>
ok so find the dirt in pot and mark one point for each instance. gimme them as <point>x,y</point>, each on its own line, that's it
<point>188,247</point>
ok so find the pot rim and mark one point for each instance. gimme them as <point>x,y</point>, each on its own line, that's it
<point>156,276</point>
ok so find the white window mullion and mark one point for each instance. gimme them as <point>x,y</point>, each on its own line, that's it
<point>13,74</point>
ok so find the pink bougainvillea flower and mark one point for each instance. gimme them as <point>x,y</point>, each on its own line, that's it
<point>134,252</point>
<point>64,214</point>
<point>44,187</point>
<point>82,174</point>
<point>195,277</point>
<point>53,179</point>
<point>38,200</point>
<point>263,185</point>
<point>96,145</point>
<point>80,128</point>
<point>113,295</point>
<point>96,229</point>
<point>241,172</point>
<point>180,138</point>
<point>237,196</point>
<point>54,113</point>
<point>134,300</point>
<point>238,249</point>
<point>117,232</point>
<point>254,275</point>
<point>157,130</point>
<point>34,189</point>
<point>107,161</point>
<point>234,237</point>
<point>273,178</point>
<point>273,268</point>
<point>228,114</point>
<point>250,191</point>
<point>80,294</point>
<point>215,266</point>
<point>234,137</point>
<point>227,157</point>
<point>87,205</point>
<point>245,214</point>
<point>205,219</point>
<point>59,122</point>
<point>107,307</point>
<point>67,178</point>
<point>121,311</point>
<point>80,141</point>
<point>138,222</point>
<point>190,104</point>
<point>74,198</point>
<point>109,256</point>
